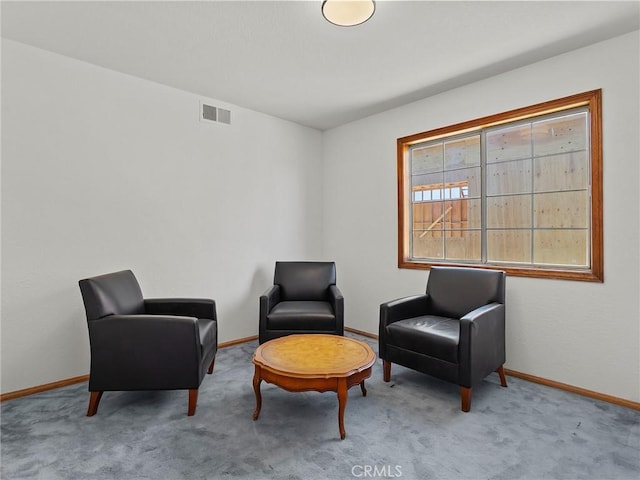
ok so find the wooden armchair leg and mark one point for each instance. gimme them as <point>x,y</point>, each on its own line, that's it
<point>94,400</point>
<point>503,379</point>
<point>193,400</point>
<point>386,370</point>
<point>210,370</point>
<point>465,396</point>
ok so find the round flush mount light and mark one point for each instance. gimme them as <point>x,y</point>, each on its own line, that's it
<point>347,13</point>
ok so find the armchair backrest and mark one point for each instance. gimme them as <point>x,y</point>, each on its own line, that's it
<point>115,293</point>
<point>456,291</point>
<point>304,280</point>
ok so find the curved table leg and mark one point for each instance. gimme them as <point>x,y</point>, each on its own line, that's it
<point>362,387</point>
<point>342,403</point>
<point>256,389</point>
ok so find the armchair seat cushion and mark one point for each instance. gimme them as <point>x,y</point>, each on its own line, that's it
<point>428,335</point>
<point>306,315</point>
<point>208,334</point>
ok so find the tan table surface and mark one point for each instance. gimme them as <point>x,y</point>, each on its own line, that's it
<point>316,362</point>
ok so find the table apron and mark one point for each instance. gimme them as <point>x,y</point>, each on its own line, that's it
<point>294,384</point>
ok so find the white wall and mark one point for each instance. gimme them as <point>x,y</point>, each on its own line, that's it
<point>103,171</point>
<point>582,334</point>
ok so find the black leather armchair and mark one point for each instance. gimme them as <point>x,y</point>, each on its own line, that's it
<point>456,331</point>
<point>304,298</point>
<point>146,344</point>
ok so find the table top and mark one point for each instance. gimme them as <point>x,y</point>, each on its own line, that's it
<point>314,356</point>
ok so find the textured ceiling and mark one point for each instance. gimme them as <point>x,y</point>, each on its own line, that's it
<point>282,58</point>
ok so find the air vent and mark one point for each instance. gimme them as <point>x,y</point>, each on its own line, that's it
<point>224,116</point>
<point>209,113</point>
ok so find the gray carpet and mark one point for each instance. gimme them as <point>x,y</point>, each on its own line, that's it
<point>409,428</point>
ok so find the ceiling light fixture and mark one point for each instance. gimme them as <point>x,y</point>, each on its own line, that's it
<point>347,13</point>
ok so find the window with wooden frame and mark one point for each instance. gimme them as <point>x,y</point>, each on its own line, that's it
<point>520,191</point>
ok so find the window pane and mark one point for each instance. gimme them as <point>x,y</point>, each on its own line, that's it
<point>429,246</point>
<point>467,177</point>
<point>509,177</point>
<point>427,217</point>
<point>463,245</point>
<point>560,135</point>
<point>456,214</point>
<point>464,152</point>
<point>428,181</point>
<point>509,143</point>
<point>509,212</point>
<point>472,213</point>
<point>561,247</point>
<point>426,159</point>
<point>561,210</point>
<point>452,218</point>
<point>561,172</point>
<point>512,246</point>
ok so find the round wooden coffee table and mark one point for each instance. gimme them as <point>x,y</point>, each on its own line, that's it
<point>318,362</point>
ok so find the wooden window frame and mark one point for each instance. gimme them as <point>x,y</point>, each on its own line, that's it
<point>592,100</point>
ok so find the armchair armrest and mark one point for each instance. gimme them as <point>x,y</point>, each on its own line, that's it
<point>401,308</point>
<point>144,351</point>
<point>188,307</point>
<point>268,299</point>
<point>336,300</point>
<point>482,342</point>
